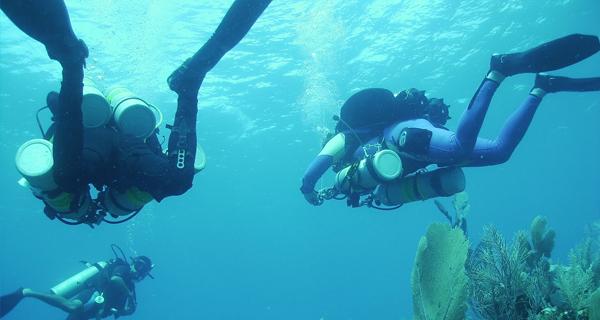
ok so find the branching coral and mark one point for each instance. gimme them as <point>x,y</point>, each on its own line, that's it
<point>496,276</point>
<point>575,284</point>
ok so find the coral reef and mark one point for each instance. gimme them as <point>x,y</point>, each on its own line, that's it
<point>516,280</point>
<point>506,280</point>
<point>439,282</point>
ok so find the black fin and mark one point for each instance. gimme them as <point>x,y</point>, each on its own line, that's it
<point>9,301</point>
<point>549,56</point>
<point>551,83</point>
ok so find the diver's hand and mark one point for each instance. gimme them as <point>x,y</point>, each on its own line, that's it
<point>314,198</point>
<point>129,308</point>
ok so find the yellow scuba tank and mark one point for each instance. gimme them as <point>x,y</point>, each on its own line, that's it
<point>34,161</point>
<point>383,166</point>
<point>442,182</point>
<point>122,204</point>
<point>133,199</point>
<point>82,280</point>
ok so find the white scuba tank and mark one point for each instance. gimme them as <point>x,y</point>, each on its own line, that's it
<point>96,109</point>
<point>131,114</point>
<point>34,161</point>
<point>77,283</point>
<point>383,166</point>
<point>442,182</point>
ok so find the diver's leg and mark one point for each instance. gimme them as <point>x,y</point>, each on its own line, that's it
<point>489,152</point>
<point>55,300</point>
<point>235,25</point>
<point>545,83</point>
<point>549,56</point>
<point>183,139</point>
<point>186,81</point>
<point>47,21</point>
<point>68,138</point>
<point>471,120</point>
<point>10,301</point>
<point>492,152</point>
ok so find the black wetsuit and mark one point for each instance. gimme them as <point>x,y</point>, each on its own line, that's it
<point>132,162</point>
<point>113,297</point>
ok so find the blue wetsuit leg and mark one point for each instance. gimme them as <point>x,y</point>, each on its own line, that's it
<point>447,147</point>
<point>491,152</point>
<point>472,118</point>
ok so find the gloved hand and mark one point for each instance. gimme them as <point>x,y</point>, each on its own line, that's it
<point>314,198</point>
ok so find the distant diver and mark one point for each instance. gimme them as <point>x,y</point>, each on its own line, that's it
<point>102,289</point>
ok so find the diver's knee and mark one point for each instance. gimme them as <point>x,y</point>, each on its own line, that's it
<point>500,158</point>
<point>72,306</point>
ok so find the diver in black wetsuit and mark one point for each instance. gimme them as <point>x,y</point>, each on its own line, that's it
<point>137,164</point>
<point>103,289</point>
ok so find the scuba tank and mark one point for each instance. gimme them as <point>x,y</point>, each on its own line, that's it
<point>34,161</point>
<point>82,280</point>
<point>124,203</point>
<point>133,199</point>
<point>383,166</point>
<point>96,109</point>
<point>442,182</point>
<point>131,114</point>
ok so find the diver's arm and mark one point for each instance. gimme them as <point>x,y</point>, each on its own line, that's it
<point>118,283</point>
<point>314,172</point>
<point>332,152</point>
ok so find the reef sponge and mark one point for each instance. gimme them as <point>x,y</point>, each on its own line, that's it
<point>542,240</point>
<point>439,282</point>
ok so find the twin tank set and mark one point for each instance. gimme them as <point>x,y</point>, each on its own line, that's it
<point>382,172</point>
<point>119,108</point>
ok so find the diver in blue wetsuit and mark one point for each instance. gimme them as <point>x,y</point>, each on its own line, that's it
<point>137,169</point>
<point>420,141</point>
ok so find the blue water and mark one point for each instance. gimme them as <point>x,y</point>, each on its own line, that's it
<point>242,243</point>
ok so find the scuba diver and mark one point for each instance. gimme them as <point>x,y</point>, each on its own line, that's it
<point>99,291</point>
<point>385,155</point>
<point>128,170</point>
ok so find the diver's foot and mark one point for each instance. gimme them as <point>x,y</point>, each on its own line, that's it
<point>502,64</point>
<point>24,291</point>
<point>72,53</point>
<point>551,84</point>
<point>184,79</point>
<point>549,56</point>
